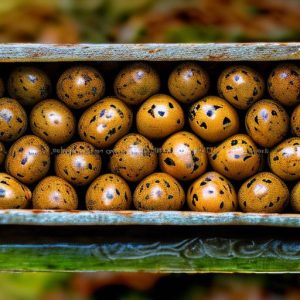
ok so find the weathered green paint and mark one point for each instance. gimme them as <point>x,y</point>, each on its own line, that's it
<point>148,249</point>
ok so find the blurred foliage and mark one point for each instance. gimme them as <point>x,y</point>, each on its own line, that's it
<point>143,286</point>
<point>17,286</point>
<point>98,21</point>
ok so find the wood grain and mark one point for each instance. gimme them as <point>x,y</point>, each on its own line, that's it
<point>139,218</point>
<point>150,52</point>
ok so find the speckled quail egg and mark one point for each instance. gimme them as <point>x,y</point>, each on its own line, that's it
<point>213,119</point>
<point>54,193</point>
<point>79,163</point>
<point>295,198</point>
<point>212,192</point>
<point>263,193</point>
<point>136,82</point>
<point>13,194</point>
<point>29,85</point>
<point>188,82</point>
<point>236,158</point>
<point>183,156</point>
<point>28,159</point>
<point>133,157</point>
<point>80,86</point>
<point>267,123</point>
<point>13,120</point>
<point>52,121</point>
<point>159,191</point>
<point>105,122</point>
<point>295,121</point>
<point>159,117</point>
<point>108,192</point>
<point>284,84</point>
<point>241,86</point>
<point>284,159</point>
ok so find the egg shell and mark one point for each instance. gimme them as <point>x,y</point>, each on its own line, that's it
<point>28,159</point>
<point>13,194</point>
<point>105,122</point>
<point>263,193</point>
<point>133,157</point>
<point>29,85</point>
<point>295,121</point>
<point>295,198</point>
<point>136,82</point>
<point>52,121</point>
<point>284,84</point>
<point>54,193</point>
<point>159,117</point>
<point>267,123</point>
<point>236,158</point>
<point>13,120</point>
<point>188,82</point>
<point>108,192</point>
<point>241,86</point>
<point>79,163</point>
<point>212,192</point>
<point>213,119</point>
<point>159,191</point>
<point>80,86</point>
<point>284,159</point>
<point>183,156</point>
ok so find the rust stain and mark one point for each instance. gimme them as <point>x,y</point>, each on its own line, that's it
<point>153,51</point>
<point>38,211</point>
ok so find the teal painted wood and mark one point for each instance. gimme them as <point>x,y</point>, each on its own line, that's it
<point>148,249</point>
<point>186,218</point>
<point>149,52</point>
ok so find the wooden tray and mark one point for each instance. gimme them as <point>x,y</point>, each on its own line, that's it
<point>32,240</point>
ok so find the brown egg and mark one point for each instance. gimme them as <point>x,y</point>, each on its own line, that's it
<point>108,192</point>
<point>29,85</point>
<point>136,82</point>
<point>212,193</point>
<point>183,156</point>
<point>133,157</point>
<point>13,194</point>
<point>263,193</point>
<point>213,119</point>
<point>295,121</point>
<point>79,163</point>
<point>13,120</point>
<point>2,153</point>
<point>105,122</point>
<point>159,191</point>
<point>80,86</point>
<point>54,193</point>
<point>52,121</point>
<point>2,88</point>
<point>188,82</point>
<point>295,198</point>
<point>267,123</point>
<point>284,159</point>
<point>159,117</point>
<point>28,159</point>
<point>236,158</point>
<point>284,84</point>
<point>241,86</point>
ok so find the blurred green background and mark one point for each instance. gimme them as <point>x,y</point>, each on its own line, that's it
<point>140,21</point>
<point>144,21</point>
